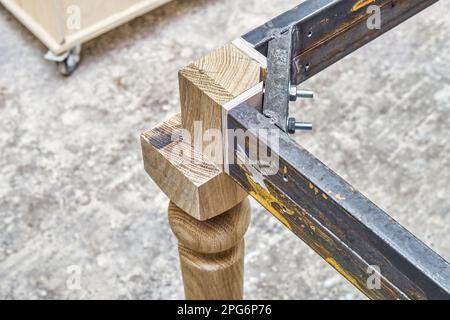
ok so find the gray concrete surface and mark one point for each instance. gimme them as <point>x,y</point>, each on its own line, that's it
<point>73,191</point>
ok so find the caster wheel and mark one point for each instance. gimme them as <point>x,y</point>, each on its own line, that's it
<point>66,62</point>
<point>70,63</point>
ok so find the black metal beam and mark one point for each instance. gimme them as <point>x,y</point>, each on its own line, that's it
<point>328,30</point>
<point>339,223</point>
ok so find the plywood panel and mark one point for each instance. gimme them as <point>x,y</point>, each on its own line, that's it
<point>47,19</point>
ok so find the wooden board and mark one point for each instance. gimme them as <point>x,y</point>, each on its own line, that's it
<point>47,19</point>
<point>198,187</point>
<point>208,84</point>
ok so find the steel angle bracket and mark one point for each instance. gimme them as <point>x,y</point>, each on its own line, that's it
<point>279,90</point>
<point>277,84</point>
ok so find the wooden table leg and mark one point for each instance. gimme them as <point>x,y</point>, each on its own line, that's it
<point>209,212</point>
<point>212,252</point>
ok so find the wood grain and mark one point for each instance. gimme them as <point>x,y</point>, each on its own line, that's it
<point>209,213</point>
<point>207,84</point>
<point>212,252</point>
<point>193,183</point>
<point>212,236</point>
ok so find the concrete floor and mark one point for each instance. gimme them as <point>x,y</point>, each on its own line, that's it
<point>73,192</point>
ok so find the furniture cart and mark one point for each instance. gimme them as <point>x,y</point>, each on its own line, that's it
<point>64,25</point>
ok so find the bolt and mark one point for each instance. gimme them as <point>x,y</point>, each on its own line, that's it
<point>294,93</point>
<point>293,126</point>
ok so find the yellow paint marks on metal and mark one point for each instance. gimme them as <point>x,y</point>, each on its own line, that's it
<point>266,199</point>
<point>312,187</point>
<point>341,270</point>
<point>263,74</point>
<point>301,213</point>
<point>290,212</point>
<point>361,3</point>
<point>339,197</point>
<point>324,196</point>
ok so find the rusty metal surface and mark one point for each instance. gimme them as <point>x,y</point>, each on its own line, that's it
<point>339,223</point>
<point>328,30</point>
<point>277,84</point>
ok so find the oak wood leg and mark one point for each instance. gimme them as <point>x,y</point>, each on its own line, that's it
<point>212,252</point>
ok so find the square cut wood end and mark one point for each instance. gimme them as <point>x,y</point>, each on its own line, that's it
<point>197,187</point>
